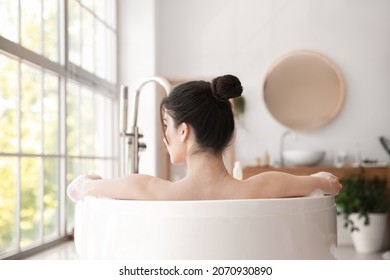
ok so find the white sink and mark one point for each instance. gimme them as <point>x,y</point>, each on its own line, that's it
<point>303,157</point>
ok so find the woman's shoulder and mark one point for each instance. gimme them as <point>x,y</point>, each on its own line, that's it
<point>145,180</point>
<point>155,187</point>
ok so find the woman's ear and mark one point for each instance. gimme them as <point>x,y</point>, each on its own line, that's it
<point>184,132</point>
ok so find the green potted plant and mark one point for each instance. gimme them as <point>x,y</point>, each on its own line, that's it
<point>385,142</point>
<point>238,106</point>
<point>364,204</point>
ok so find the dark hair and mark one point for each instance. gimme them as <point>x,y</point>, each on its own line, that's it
<point>206,108</point>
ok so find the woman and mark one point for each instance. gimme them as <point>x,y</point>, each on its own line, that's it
<point>198,124</point>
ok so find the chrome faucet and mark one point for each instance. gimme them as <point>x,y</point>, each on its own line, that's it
<point>282,138</point>
<point>130,145</point>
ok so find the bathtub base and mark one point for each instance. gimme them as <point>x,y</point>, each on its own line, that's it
<point>294,228</point>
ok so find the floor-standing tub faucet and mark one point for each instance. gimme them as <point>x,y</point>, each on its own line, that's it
<point>130,139</point>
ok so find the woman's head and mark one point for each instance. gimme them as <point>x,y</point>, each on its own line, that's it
<point>205,107</point>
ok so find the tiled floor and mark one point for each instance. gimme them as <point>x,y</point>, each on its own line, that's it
<point>66,251</point>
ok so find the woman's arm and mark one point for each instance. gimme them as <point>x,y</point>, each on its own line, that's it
<point>133,186</point>
<point>275,184</point>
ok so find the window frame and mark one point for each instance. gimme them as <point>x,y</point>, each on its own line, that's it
<point>65,70</point>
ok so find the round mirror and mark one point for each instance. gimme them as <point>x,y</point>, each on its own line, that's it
<point>304,90</point>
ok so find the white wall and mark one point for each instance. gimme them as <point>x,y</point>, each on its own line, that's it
<point>209,38</point>
<point>198,38</point>
<point>137,62</point>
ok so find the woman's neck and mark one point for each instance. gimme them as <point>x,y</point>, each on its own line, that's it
<point>207,165</point>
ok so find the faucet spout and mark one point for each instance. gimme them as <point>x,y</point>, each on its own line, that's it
<point>158,80</point>
<point>282,139</point>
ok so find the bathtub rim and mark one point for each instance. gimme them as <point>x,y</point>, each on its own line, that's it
<point>208,208</point>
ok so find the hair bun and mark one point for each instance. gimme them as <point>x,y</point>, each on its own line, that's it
<point>225,87</point>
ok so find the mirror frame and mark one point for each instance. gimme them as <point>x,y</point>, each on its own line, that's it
<point>310,124</point>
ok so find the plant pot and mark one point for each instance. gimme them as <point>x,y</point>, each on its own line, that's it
<point>369,238</point>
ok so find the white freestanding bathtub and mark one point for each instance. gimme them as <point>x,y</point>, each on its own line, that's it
<point>287,228</point>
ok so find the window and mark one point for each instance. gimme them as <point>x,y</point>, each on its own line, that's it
<point>57,100</point>
<point>93,49</point>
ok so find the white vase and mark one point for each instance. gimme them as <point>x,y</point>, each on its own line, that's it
<point>369,238</point>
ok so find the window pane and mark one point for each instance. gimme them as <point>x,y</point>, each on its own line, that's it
<point>101,50</point>
<point>111,13</point>
<point>31,109</point>
<point>9,19</point>
<point>78,167</point>
<point>75,167</point>
<point>100,9</point>
<point>69,215</point>
<point>51,113</point>
<point>72,118</point>
<point>110,134</point>
<point>74,28</point>
<point>8,204</point>
<point>103,126</point>
<point>89,4</point>
<point>50,27</point>
<point>31,23</point>
<point>87,122</point>
<point>73,170</point>
<point>30,186</point>
<point>112,52</point>
<point>104,168</point>
<point>100,131</point>
<point>50,198</point>
<point>92,37</point>
<point>87,41</point>
<point>8,105</point>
